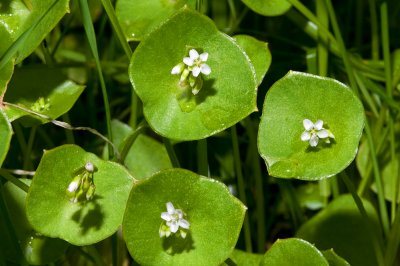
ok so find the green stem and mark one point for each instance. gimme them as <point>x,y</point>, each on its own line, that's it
<point>6,175</point>
<point>322,50</point>
<point>171,153</point>
<point>374,30</point>
<point>393,240</point>
<point>290,197</point>
<point>202,158</point>
<point>376,241</point>
<point>91,36</point>
<point>241,188</point>
<point>256,170</point>
<point>27,165</point>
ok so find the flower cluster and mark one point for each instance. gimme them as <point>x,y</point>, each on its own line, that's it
<point>314,132</point>
<point>190,70</point>
<point>82,185</point>
<point>173,222</point>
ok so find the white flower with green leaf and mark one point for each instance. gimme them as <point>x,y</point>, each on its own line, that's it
<point>314,132</point>
<point>190,70</point>
<point>173,222</point>
<point>82,187</point>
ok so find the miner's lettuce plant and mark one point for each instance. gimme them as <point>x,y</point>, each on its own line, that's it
<point>196,132</point>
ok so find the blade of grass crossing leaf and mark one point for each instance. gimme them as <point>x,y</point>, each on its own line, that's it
<point>13,49</point>
<point>89,29</point>
<point>378,180</point>
<point>171,153</point>
<point>370,102</point>
<point>241,188</point>
<point>389,91</point>
<point>128,52</point>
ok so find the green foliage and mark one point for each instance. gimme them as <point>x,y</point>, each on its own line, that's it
<point>300,96</point>
<point>228,94</point>
<point>79,223</point>
<point>268,7</point>
<point>51,97</point>
<point>339,220</point>
<point>37,249</point>
<point>293,251</point>
<point>215,218</point>
<point>5,135</point>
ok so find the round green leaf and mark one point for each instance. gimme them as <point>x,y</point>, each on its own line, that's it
<point>268,7</point>
<point>19,15</point>
<point>340,226</point>
<point>215,218</point>
<point>52,96</point>
<point>299,96</point>
<point>5,135</point>
<point>258,52</point>
<point>37,249</point>
<point>293,251</point>
<point>138,18</point>
<point>228,94</point>
<point>50,211</point>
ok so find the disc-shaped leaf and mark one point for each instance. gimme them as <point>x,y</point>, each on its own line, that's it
<point>80,223</point>
<point>290,101</point>
<point>258,52</point>
<point>146,155</point>
<point>19,15</point>
<point>340,226</point>
<point>293,251</point>
<point>5,135</point>
<point>52,96</point>
<point>228,93</point>
<point>242,258</point>
<point>37,249</point>
<point>268,7</point>
<point>138,18</point>
<point>215,218</point>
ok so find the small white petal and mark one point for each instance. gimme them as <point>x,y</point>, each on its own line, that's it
<point>174,226</point>
<point>170,208</point>
<point>188,61</point>
<point>305,136</point>
<point>322,134</point>
<point>193,54</point>
<point>204,57</point>
<point>176,70</point>
<point>73,186</point>
<point>308,125</point>
<point>196,71</point>
<point>314,141</point>
<point>89,167</point>
<point>183,223</point>
<point>166,216</point>
<point>319,124</point>
<point>205,69</point>
<point>162,233</point>
<point>183,233</point>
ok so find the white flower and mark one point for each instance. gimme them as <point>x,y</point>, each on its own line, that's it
<point>314,132</point>
<point>196,63</point>
<point>89,167</point>
<point>73,186</point>
<point>173,221</point>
